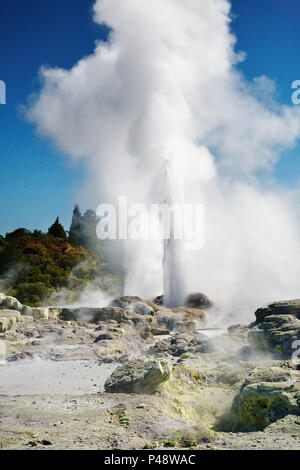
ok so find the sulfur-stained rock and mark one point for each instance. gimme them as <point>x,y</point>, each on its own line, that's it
<point>139,376</point>
<point>267,395</point>
<point>271,374</point>
<point>289,424</point>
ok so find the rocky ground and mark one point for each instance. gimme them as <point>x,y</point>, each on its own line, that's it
<point>135,375</point>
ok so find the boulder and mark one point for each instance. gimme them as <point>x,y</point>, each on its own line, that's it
<point>277,328</point>
<point>159,300</point>
<point>198,300</point>
<point>139,376</point>
<point>9,303</point>
<point>143,309</point>
<point>267,395</point>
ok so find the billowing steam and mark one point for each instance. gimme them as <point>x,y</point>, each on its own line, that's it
<point>165,87</point>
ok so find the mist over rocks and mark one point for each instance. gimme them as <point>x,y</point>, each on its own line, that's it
<point>93,314</point>
<point>165,375</point>
<point>196,300</point>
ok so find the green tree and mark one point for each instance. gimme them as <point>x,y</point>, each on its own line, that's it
<point>34,266</point>
<point>57,230</point>
<point>90,240</point>
<point>75,232</point>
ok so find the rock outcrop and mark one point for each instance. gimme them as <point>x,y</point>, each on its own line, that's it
<point>277,329</point>
<point>12,312</point>
<point>181,343</point>
<point>139,376</point>
<point>267,395</point>
<point>42,313</point>
<point>92,314</point>
<point>10,303</point>
<point>9,318</point>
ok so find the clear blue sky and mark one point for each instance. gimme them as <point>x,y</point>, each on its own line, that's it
<point>36,182</point>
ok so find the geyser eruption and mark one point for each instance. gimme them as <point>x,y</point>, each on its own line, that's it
<point>168,77</point>
<point>173,256</point>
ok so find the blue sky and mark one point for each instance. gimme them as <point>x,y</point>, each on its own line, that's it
<point>37,183</point>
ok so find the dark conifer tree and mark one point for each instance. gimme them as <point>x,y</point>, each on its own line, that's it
<point>75,232</point>
<point>57,230</point>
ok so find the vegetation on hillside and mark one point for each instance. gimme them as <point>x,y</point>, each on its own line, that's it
<point>38,267</point>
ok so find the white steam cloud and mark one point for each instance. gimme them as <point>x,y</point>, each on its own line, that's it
<point>165,86</point>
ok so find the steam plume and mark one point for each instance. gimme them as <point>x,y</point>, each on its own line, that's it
<point>165,86</point>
